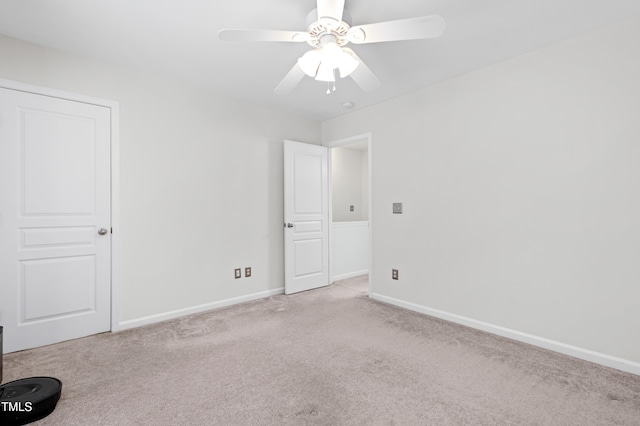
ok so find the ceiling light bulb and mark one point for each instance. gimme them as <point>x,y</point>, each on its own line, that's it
<point>309,63</point>
<point>331,54</point>
<point>325,73</point>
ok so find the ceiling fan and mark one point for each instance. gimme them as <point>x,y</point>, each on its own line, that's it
<point>328,31</point>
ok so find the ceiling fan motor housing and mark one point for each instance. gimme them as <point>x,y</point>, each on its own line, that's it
<point>319,28</point>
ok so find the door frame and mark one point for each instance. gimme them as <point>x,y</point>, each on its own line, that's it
<point>114,107</point>
<point>341,143</point>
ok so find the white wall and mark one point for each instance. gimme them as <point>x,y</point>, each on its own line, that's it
<point>348,166</point>
<point>201,182</point>
<point>521,186</point>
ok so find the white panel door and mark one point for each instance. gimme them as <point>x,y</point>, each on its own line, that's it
<point>306,214</point>
<point>55,238</point>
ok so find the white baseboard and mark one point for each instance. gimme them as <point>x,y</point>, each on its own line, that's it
<point>138,322</point>
<point>349,275</point>
<point>574,351</point>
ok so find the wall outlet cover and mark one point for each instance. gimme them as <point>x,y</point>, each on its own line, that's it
<point>237,273</point>
<point>397,208</point>
<point>247,271</point>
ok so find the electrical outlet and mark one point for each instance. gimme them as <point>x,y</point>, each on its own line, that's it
<point>238,273</point>
<point>247,271</point>
<point>352,208</point>
<point>397,208</point>
<point>394,274</point>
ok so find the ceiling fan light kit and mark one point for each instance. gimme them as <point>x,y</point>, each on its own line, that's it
<point>329,30</point>
<point>321,63</point>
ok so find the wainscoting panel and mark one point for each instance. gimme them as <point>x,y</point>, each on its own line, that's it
<point>349,249</point>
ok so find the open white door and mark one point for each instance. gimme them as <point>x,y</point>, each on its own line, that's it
<point>55,219</point>
<point>306,217</point>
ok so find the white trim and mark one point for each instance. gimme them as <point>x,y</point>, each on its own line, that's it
<point>55,93</point>
<point>151,319</point>
<point>114,106</point>
<point>347,141</point>
<point>354,224</point>
<point>115,217</point>
<point>330,206</point>
<point>563,348</point>
<point>340,143</point>
<point>349,275</point>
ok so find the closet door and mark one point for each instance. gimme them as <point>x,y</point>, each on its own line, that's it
<point>55,224</point>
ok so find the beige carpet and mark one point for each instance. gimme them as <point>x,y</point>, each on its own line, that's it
<point>324,357</point>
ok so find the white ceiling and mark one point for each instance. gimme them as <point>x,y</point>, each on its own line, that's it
<point>178,39</point>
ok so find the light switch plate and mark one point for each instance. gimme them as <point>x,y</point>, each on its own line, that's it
<point>397,208</point>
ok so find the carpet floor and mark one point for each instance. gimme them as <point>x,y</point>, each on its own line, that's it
<point>330,356</point>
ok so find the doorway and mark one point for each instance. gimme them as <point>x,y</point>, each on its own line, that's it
<point>350,208</point>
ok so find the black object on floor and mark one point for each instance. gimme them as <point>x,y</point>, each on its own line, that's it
<point>27,400</point>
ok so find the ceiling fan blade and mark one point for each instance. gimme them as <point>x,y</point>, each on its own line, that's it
<point>290,81</point>
<point>263,35</point>
<point>404,29</point>
<point>330,9</point>
<point>362,75</point>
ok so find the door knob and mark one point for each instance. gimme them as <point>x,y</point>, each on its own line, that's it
<point>102,231</point>
<point>289,225</point>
